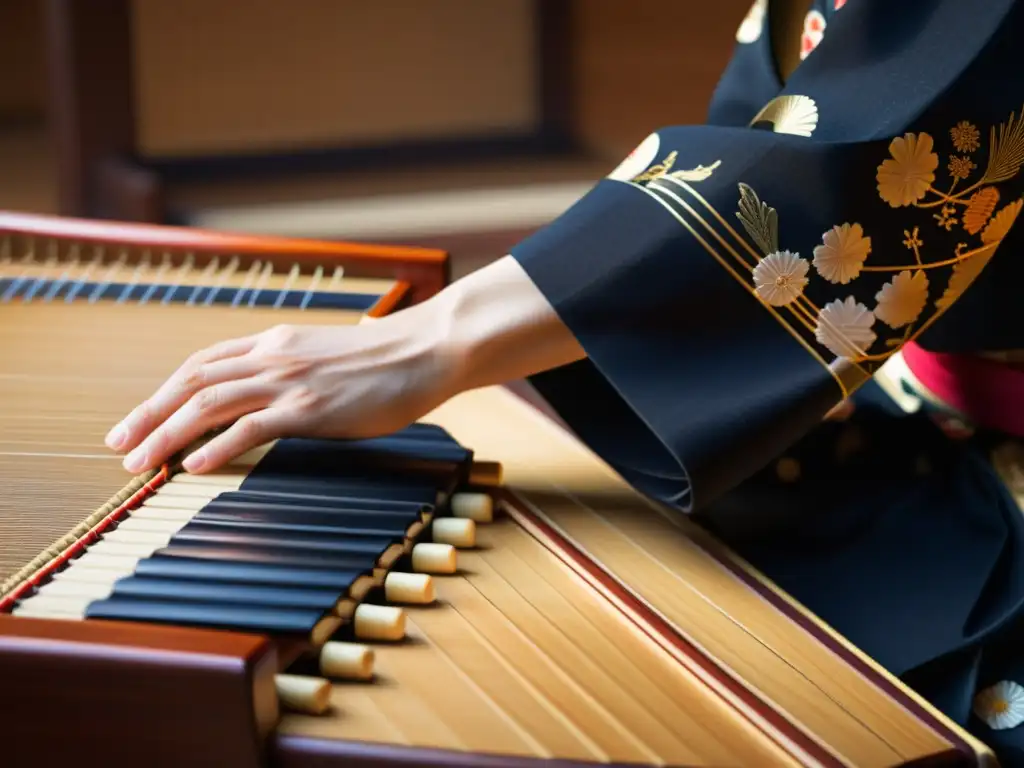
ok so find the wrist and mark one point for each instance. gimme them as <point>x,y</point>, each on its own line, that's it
<point>494,326</point>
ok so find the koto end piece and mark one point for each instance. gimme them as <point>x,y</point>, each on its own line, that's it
<point>434,558</point>
<point>457,531</point>
<point>473,506</point>
<point>409,588</point>
<point>379,622</point>
<point>308,695</point>
<point>347,661</point>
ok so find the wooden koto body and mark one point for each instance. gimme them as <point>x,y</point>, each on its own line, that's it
<point>374,603</point>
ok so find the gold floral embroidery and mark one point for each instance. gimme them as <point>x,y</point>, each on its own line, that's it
<point>946,218</point>
<point>908,175</point>
<point>965,136</point>
<point>979,207</point>
<point>901,301</point>
<point>664,169</point>
<point>913,241</point>
<point>964,273</point>
<point>960,167</point>
<point>842,254</point>
<point>846,324</point>
<point>1000,225</point>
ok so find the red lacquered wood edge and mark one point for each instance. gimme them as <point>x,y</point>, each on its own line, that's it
<point>392,300</point>
<point>425,269</point>
<point>307,752</point>
<point>125,695</point>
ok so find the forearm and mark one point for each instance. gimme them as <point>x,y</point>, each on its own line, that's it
<point>497,327</point>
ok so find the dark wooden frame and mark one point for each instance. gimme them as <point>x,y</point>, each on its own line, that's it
<point>92,116</point>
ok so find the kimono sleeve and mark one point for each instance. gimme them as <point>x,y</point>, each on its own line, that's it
<point>731,284</point>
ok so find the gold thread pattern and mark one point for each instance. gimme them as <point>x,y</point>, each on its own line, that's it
<point>863,329</point>
<point>664,169</point>
<point>848,325</point>
<point>847,377</point>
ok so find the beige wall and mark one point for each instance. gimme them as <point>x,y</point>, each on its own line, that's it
<point>216,75</point>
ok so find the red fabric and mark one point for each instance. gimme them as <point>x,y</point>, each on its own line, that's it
<point>987,392</point>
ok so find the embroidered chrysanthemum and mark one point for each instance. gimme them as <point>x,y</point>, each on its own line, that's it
<point>1000,225</point>
<point>814,31</point>
<point>844,327</point>
<point>842,254</point>
<point>964,273</point>
<point>979,208</point>
<point>906,177</point>
<point>902,299</point>
<point>1000,706</point>
<point>965,136</point>
<point>960,167</point>
<point>753,23</point>
<point>780,278</point>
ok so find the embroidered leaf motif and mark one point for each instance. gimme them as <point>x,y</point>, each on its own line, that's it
<point>760,221</point>
<point>700,173</point>
<point>1006,154</point>
<point>659,169</point>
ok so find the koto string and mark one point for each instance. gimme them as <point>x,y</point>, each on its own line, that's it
<point>61,545</point>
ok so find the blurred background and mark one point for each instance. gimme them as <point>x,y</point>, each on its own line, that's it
<point>462,124</point>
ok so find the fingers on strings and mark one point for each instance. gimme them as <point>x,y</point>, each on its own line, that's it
<point>211,387</point>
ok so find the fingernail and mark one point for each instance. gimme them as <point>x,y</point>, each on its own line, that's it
<point>194,461</point>
<point>116,437</point>
<point>133,462</point>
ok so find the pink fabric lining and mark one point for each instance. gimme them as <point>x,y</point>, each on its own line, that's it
<point>987,392</point>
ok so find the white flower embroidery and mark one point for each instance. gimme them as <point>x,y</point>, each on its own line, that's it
<point>792,113</point>
<point>780,278</point>
<point>842,254</point>
<point>814,31</point>
<point>638,160</point>
<point>844,328</point>
<point>902,299</point>
<point>753,23</point>
<point>1000,706</point>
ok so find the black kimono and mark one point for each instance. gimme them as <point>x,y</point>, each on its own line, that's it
<point>732,282</point>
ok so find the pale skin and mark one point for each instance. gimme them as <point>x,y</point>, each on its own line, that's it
<point>348,381</point>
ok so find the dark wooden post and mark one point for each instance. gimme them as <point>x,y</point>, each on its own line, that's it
<point>91,104</point>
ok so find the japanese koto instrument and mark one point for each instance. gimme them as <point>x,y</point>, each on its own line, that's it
<point>476,590</point>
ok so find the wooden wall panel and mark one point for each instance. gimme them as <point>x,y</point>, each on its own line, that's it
<point>22,69</point>
<point>215,76</point>
<point>643,64</point>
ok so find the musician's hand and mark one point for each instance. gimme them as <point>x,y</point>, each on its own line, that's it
<point>347,381</point>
